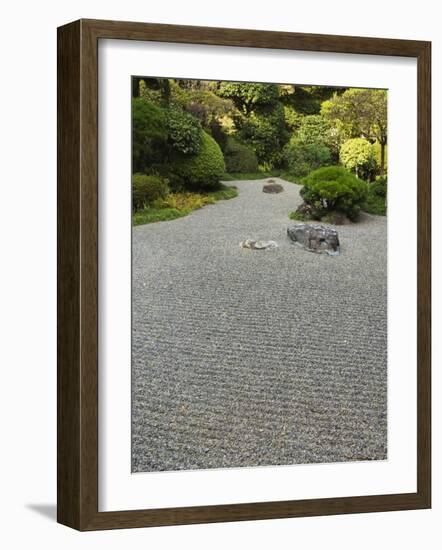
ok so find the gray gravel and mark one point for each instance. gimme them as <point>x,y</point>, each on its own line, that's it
<point>257,357</point>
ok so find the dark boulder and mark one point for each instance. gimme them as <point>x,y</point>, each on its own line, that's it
<point>315,238</point>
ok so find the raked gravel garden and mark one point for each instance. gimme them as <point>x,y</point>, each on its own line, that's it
<point>243,358</point>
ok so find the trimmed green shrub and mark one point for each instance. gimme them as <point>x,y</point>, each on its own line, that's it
<point>203,170</point>
<point>149,135</point>
<point>301,158</point>
<point>358,155</point>
<point>147,189</point>
<point>183,131</point>
<point>334,189</point>
<point>239,157</point>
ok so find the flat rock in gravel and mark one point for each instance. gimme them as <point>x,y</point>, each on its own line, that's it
<point>315,238</point>
<point>258,245</point>
<point>272,187</point>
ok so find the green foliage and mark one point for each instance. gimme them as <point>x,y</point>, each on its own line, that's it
<point>151,214</point>
<point>287,176</point>
<point>297,216</point>
<point>379,186</point>
<point>140,90</point>
<point>376,202</point>
<point>360,112</point>
<point>147,189</point>
<point>225,192</point>
<point>248,97</point>
<point>358,155</point>
<point>184,131</point>
<point>250,175</point>
<point>252,124</point>
<point>375,205</point>
<point>334,189</point>
<point>184,201</point>
<point>177,205</point>
<point>377,148</point>
<point>219,135</point>
<point>266,134</point>
<point>149,134</point>
<point>207,106</point>
<point>154,90</point>
<point>314,129</point>
<point>293,119</point>
<point>301,158</point>
<point>203,170</point>
<point>239,157</point>
<point>305,100</point>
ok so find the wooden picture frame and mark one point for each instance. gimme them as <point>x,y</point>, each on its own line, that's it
<point>77,461</point>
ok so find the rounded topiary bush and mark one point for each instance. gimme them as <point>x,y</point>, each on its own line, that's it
<point>358,155</point>
<point>147,189</point>
<point>239,157</point>
<point>334,189</point>
<point>203,170</point>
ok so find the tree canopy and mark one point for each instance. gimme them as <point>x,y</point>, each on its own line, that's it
<point>359,112</point>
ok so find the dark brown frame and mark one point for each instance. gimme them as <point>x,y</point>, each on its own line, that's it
<point>77,460</point>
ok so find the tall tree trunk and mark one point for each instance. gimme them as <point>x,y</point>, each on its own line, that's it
<point>382,169</point>
<point>165,89</point>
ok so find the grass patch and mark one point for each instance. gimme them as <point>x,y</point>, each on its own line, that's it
<point>177,205</point>
<point>261,176</point>
<point>250,176</point>
<point>152,214</point>
<point>297,216</point>
<point>290,177</point>
<point>224,193</point>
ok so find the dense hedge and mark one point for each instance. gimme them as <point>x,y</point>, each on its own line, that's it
<point>147,189</point>
<point>334,189</point>
<point>239,157</point>
<point>203,170</point>
<point>301,158</point>
<point>149,134</point>
<point>266,133</point>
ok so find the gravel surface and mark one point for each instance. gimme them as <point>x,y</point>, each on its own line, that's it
<point>257,357</point>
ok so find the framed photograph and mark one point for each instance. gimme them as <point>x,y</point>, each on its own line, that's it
<point>243,274</point>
